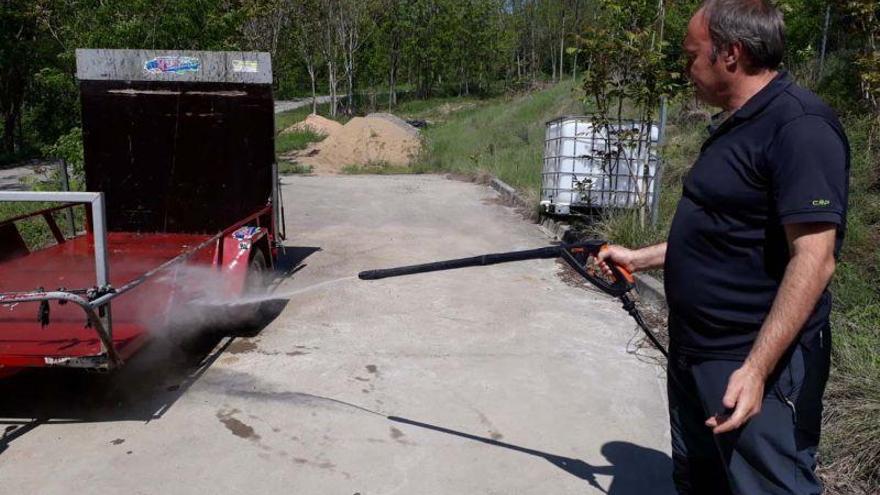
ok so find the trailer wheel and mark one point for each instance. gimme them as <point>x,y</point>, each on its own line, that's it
<point>251,314</point>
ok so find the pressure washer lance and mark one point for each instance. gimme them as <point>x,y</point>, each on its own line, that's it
<point>578,255</point>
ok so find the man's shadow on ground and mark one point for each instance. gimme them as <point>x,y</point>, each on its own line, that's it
<point>146,387</point>
<point>635,470</point>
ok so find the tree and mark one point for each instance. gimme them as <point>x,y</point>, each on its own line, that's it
<point>18,44</point>
<point>307,38</point>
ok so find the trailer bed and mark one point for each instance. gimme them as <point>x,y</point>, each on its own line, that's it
<point>71,265</point>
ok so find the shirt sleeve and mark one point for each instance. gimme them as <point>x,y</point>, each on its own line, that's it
<point>809,172</point>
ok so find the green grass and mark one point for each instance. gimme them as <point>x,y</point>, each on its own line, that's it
<point>284,120</point>
<point>502,137</point>
<point>292,168</point>
<point>852,431</point>
<point>382,168</point>
<point>437,110</point>
<point>295,140</point>
<point>286,142</point>
<point>34,230</point>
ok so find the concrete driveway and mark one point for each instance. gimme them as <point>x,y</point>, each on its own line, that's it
<point>491,380</point>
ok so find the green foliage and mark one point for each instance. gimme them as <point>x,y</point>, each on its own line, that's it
<point>295,140</point>
<point>865,14</point>
<point>503,137</point>
<point>628,60</point>
<point>52,106</point>
<point>69,147</point>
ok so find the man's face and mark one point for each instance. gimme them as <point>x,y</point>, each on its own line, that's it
<point>708,76</point>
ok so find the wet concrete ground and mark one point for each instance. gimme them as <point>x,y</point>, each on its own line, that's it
<point>499,379</point>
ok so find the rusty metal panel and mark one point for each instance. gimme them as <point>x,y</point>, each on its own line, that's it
<point>178,156</point>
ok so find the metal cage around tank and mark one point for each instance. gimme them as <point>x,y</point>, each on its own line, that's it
<point>590,167</point>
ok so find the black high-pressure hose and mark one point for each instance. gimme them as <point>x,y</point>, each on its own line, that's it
<point>576,255</point>
<point>630,306</point>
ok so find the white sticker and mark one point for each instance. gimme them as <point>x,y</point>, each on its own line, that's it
<point>244,66</point>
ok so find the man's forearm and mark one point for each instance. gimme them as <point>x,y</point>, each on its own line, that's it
<point>806,277</point>
<point>651,257</point>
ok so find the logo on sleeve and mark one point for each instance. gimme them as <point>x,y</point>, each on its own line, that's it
<point>821,202</point>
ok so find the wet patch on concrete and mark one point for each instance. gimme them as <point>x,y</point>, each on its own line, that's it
<point>118,441</point>
<point>396,434</point>
<point>495,435</point>
<point>240,346</point>
<point>236,426</point>
<point>319,463</point>
<point>372,368</point>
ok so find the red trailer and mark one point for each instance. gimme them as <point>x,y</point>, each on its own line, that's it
<point>179,165</point>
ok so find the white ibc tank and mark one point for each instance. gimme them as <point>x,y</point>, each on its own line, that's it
<point>592,166</point>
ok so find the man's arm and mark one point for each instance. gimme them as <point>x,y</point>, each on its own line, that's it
<point>635,260</point>
<point>808,272</point>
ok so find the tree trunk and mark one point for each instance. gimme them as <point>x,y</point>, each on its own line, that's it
<point>311,68</point>
<point>534,60</point>
<point>350,90</point>
<point>9,131</point>
<point>331,79</point>
<point>562,44</point>
<point>824,41</point>
<point>577,22</point>
<point>518,66</point>
<point>392,90</point>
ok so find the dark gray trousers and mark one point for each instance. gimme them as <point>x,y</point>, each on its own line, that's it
<point>775,452</point>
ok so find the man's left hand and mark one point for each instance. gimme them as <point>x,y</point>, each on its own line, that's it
<point>745,394</point>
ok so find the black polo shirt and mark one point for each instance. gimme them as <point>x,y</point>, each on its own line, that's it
<point>782,158</point>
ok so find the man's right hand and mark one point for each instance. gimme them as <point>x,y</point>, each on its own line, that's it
<point>619,255</point>
<point>632,260</point>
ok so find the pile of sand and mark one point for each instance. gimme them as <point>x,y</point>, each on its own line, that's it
<point>376,138</point>
<point>316,124</point>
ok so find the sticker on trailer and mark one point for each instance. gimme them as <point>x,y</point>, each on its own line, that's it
<point>245,66</point>
<point>172,65</point>
<point>246,233</point>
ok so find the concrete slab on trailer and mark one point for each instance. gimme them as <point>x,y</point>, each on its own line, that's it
<point>533,370</point>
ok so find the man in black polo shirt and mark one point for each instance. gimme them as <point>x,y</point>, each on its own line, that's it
<point>747,263</point>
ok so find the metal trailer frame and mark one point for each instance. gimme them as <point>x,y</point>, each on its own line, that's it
<point>98,301</point>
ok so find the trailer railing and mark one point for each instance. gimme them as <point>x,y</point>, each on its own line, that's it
<point>98,314</point>
<point>96,304</point>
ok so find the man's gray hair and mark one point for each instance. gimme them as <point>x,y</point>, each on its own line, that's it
<point>757,24</point>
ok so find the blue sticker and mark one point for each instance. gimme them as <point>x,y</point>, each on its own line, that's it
<point>246,233</point>
<point>172,65</point>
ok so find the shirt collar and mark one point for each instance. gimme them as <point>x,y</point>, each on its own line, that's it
<point>754,104</point>
<point>762,98</point>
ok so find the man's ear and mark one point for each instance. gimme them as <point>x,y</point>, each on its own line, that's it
<point>732,54</point>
